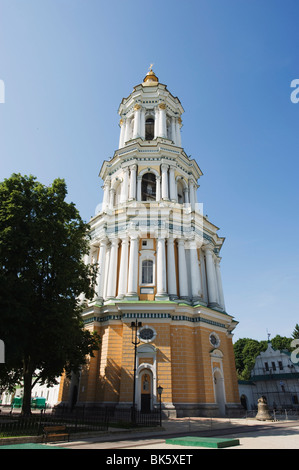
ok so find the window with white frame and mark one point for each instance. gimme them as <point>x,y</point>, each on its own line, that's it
<point>147,268</point>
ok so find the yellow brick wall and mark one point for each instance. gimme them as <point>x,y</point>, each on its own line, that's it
<point>127,369</point>
<point>184,365</point>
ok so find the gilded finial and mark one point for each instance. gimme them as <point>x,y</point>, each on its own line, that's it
<point>150,78</point>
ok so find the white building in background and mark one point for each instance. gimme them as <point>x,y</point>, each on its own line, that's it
<point>275,377</point>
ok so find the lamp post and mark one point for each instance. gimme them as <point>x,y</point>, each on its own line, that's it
<point>160,390</point>
<point>135,341</point>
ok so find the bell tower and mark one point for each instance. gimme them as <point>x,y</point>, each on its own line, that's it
<point>159,263</point>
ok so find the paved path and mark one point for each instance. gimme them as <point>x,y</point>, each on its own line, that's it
<point>252,434</point>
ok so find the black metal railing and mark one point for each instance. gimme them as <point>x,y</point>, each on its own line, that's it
<point>81,419</point>
<point>75,422</point>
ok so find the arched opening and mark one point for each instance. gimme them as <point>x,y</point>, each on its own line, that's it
<point>244,401</point>
<point>148,187</point>
<point>146,391</point>
<point>219,391</point>
<point>180,189</point>
<point>149,128</point>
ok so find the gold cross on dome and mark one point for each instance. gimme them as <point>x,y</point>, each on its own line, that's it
<point>150,67</point>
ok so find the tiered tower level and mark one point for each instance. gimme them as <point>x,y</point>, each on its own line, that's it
<point>159,263</point>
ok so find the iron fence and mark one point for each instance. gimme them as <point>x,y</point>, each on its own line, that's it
<point>14,424</point>
<point>78,420</point>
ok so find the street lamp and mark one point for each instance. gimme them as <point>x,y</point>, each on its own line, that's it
<point>160,390</point>
<point>135,341</point>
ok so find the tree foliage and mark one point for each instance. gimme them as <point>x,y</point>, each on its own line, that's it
<point>247,349</point>
<point>42,274</point>
<point>295,334</point>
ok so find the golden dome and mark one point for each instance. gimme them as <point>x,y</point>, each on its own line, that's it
<point>151,78</point>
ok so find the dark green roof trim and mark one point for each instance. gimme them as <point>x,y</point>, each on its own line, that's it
<point>288,376</point>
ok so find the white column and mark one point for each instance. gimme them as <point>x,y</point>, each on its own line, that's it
<point>178,132</point>
<point>142,123</point>
<point>183,277</point>
<point>157,122</point>
<point>161,270</point>
<point>171,270</point>
<point>164,169</point>
<point>191,192</point>
<point>133,268</point>
<point>132,194</point>
<point>139,181</point>
<point>158,188</point>
<point>162,120</point>
<point>195,272</point>
<point>107,259</point>
<point>137,121</point>
<point>122,133</point>
<point>219,284</point>
<point>173,130</point>
<point>127,130</point>
<point>211,276</point>
<point>186,195</point>
<point>125,186</point>
<point>106,194</point>
<point>101,271</point>
<point>123,268</point>
<point>172,185</point>
<point>111,198</point>
<point>112,276</point>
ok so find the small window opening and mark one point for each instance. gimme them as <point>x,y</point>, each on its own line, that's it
<point>148,187</point>
<point>149,129</point>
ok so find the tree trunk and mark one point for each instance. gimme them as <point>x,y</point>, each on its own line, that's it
<point>27,376</point>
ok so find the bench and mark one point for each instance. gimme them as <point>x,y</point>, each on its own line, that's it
<point>55,433</point>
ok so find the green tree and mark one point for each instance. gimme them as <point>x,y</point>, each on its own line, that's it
<point>42,274</point>
<point>281,342</point>
<point>246,350</point>
<point>295,334</point>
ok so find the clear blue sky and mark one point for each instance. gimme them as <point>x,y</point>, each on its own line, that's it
<point>67,64</point>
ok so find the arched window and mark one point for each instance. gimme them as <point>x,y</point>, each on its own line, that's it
<point>149,129</point>
<point>147,271</point>
<point>180,193</point>
<point>148,187</point>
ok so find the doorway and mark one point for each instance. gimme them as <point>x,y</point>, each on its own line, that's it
<point>219,391</point>
<point>146,392</point>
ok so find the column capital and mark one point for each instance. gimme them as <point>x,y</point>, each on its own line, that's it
<point>193,244</point>
<point>161,235</point>
<point>103,241</point>
<point>124,238</point>
<point>164,167</point>
<point>133,167</point>
<point>162,106</point>
<point>208,247</point>
<point>133,235</point>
